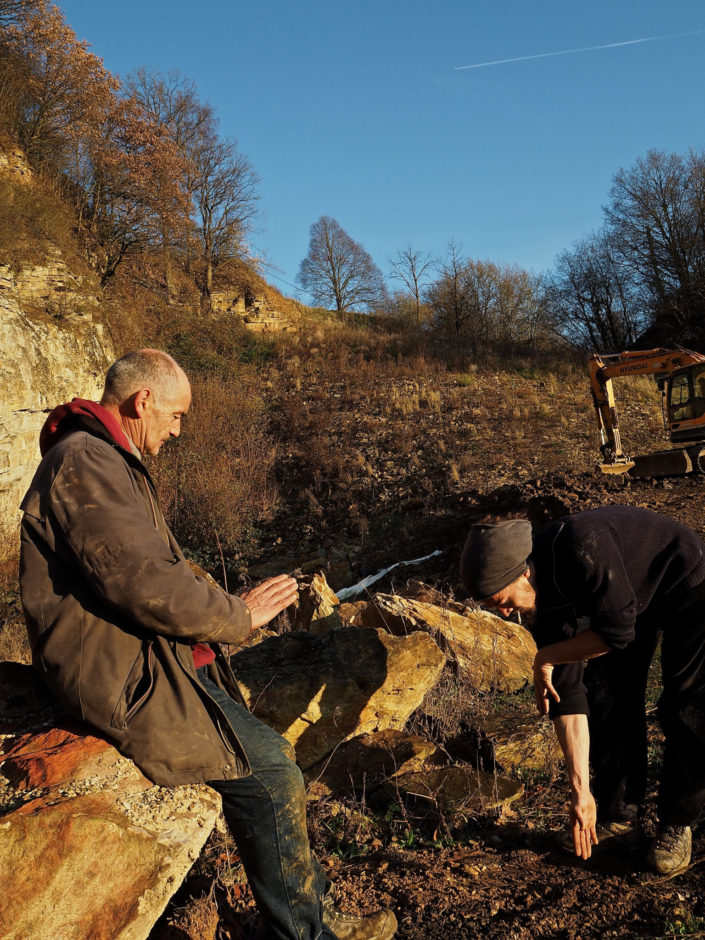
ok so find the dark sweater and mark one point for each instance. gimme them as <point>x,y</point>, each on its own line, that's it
<point>610,569</point>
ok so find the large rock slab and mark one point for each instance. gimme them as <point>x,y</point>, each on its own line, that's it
<point>509,740</point>
<point>318,691</point>
<point>317,611</point>
<point>492,653</point>
<point>88,846</point>
<point>520,740</point>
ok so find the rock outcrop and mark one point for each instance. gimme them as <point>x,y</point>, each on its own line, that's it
<point>51,350</point>
<point>318,691</point>
<point>88,846</point>
<point>255,312</point>
<point>492,653</point>
<point>43,362</point>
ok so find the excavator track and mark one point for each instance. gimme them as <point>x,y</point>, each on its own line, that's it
<point>677,462</point>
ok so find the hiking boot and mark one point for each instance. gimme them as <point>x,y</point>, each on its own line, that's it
<point>670,851</point>
<point>382,925</point>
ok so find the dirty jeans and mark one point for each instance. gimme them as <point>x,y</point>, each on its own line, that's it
<point>266,814</point>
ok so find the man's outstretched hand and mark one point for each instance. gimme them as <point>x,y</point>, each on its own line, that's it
<point>270,598</point>
<point>583,821</point>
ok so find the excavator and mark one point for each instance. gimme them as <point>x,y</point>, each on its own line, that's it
<point>680,375</point>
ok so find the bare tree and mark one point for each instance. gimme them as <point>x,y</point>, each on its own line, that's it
<point>491,305</point>
<point>410,266</point>
<point>220,181</point>
<point>338,271</point>
<point>172,102</point>
<point>224,186</point>
<point>592,296</point>
<point>448,296</point>
<point>657,214</point>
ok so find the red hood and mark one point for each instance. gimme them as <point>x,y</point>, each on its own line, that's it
<point>52,431</point>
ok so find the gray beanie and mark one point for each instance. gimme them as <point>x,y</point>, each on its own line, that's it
<point>495,554</point>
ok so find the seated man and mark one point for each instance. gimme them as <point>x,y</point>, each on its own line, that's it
<point>606,581</point>
<point>126,636</point>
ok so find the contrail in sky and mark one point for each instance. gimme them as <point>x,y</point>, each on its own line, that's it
<point>546,55</point>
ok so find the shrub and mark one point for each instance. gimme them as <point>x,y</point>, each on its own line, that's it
<point>215,483</point>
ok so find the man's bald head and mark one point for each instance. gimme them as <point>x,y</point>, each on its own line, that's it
<point>143,368</point>
<point>149,394</point>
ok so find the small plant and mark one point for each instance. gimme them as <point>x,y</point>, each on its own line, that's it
<point>684,924</point>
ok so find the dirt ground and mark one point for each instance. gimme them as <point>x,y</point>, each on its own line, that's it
<point>398,465</point>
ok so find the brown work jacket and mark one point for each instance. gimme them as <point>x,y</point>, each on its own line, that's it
<point>112,606</point>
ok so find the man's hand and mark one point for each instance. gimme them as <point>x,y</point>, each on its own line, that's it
<point>543,684</point>
<point>270,598</point>
<point>583,818</point>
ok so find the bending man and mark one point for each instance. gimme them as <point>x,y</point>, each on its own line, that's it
<point>601,585</point>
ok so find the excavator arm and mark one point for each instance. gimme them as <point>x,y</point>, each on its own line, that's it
<point>603,368</point>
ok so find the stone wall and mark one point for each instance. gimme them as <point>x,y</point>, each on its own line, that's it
<point>44,361</point>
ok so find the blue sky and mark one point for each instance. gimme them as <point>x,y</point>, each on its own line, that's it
<point>360,110</point>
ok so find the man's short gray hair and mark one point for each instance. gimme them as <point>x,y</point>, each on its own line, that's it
<point>143,368</point>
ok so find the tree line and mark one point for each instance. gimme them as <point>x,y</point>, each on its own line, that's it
<point>143,165</point>
<point>639,279</point>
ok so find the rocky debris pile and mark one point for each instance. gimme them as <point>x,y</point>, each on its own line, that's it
<point>483,652</point>
<point>491,652</point>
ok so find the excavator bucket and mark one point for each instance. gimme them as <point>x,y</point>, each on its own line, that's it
<point>621,466</point>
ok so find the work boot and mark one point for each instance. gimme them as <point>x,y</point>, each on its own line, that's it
<point>670,851</point>
<point>382,925</point>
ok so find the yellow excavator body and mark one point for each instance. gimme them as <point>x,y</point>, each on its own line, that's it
<point>681,377</point>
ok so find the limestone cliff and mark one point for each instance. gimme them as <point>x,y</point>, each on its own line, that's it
<point>51,350</point>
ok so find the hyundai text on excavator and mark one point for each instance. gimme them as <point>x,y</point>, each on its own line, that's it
<point>680,375</point>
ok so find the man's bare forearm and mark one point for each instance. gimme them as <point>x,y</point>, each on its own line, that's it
<point>574,739</point>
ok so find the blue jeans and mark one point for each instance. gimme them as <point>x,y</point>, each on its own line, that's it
<point>266,814</point>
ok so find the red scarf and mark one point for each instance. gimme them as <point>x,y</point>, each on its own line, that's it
<point>52,432</point>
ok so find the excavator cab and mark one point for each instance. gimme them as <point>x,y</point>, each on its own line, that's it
<point>685,415</point>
